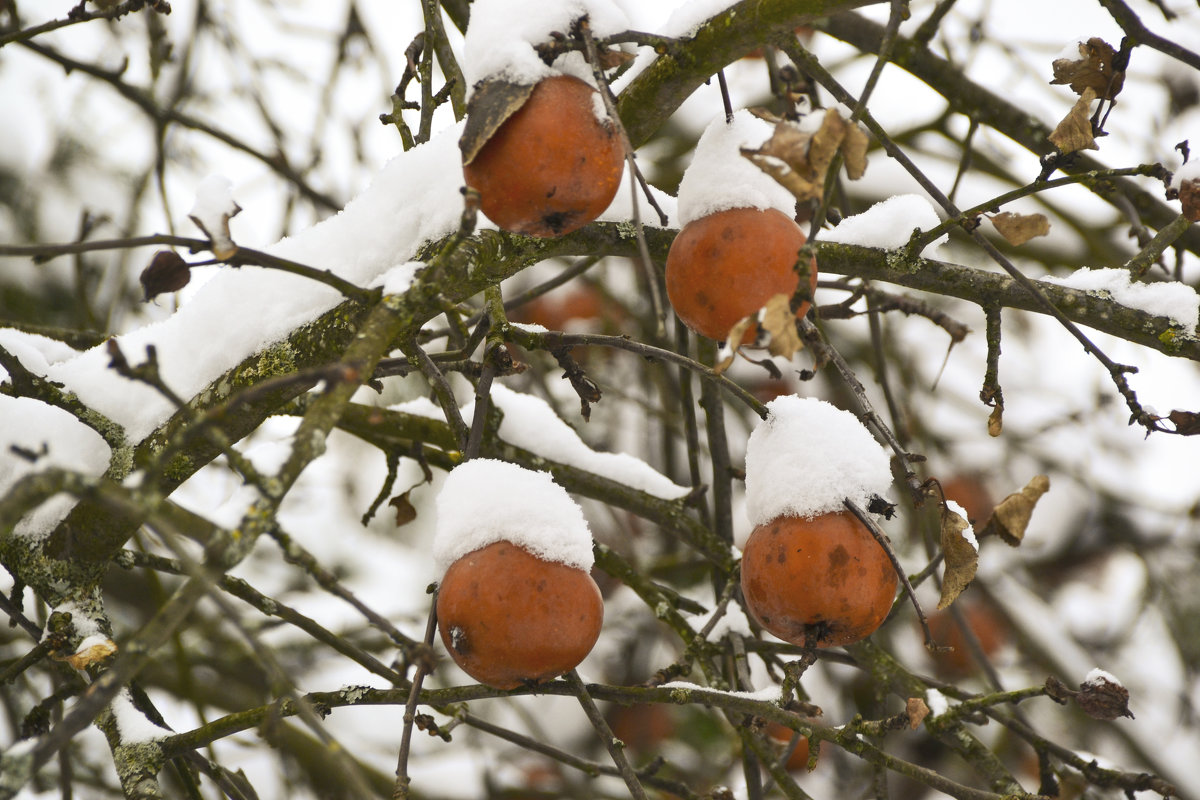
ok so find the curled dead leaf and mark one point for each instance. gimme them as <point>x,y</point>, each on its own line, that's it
<point>917,711</point>
<point>799,158</point>
<point>854,151</point>
<point>995,425</point>
<point>1017,229</point>
<point>1095,68</point>
<point>1189,197</point>
<point>779,320</point>
<point>167,272</point>
<point>961,555</point>
<point>92,654</point>
<point>490,106</point>
<point>1012,516</point>
<point>1075,131</point>
<point>1187,423</point>
<point>405,511</point>
<point>733,341</point>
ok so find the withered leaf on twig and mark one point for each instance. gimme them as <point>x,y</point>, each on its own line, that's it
<point>1093,69</point>
<point>733,341</point>
<point>917,711</point>
<point>780,321</point>
<point>1075,130</point>
<point>995,423</point>
<point>405,511</point>
<point>1017,229</point>
<point>1187,423</point>
<point>1012,516</point>
<point>799,159</point>
<point>961,555</point>
<point>1189,197</point>
<point>168,272</point>
<point>490,106</point>
<point>90,655</point>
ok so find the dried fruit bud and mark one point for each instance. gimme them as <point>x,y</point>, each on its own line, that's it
<point>168,272</point>
<point>1103,697</point>
<point>1189,196</point>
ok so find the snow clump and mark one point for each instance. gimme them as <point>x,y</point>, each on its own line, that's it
<point>807,458</point>
<point>485,501</point>
<point>720,177</point>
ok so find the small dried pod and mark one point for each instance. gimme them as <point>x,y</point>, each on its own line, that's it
<point>167,272</point>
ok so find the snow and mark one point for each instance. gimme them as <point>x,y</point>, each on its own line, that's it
<point>1190,171</point>
<point>35,352</point>
<point>732,621</point>
<point>214,203</point>
<point>720,177</point>
<point>501,36</point>
<point>1177,301</point>
<point>414,199</point>
<point>688,17</point>
<point>888,224</point>
<point>85,627</point>
<point>770,694</point>
<point>397,279</point>
<point>937,702</point>
<point>484,501</point>
<point>132,724</point>
<point>68,444</point>
<point>968,532</point>
<point>807,457</point>
<point>1096,675</point>
<point>530,423</point>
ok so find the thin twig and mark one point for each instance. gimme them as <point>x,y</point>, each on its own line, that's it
<point>425,665</point>
<point>244,256</point>
<point>611,743</point>
<point>883,541</point>
<point>1117,372</point>
<point>610,105</point>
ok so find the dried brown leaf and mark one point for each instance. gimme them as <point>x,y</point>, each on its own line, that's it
<point>1189,196</point>
<point>800,159</point>
<point>168,272</point>
<point>733,341</point>
<point>787,177</point>
<point>825,143</point>
<point>1012,516</point>
<point>780,321</point>
<point>996,421</point>
<point>1017,229</point>
<point>490,106</point>
<point>854,150</point>
<point>613,58</point>
<point>1075,130</point>
<point>1093,69</point>
<point>405,511</point>
<point>1187,423</point>
<point>961,556</point>
<point>1103,699</point>
<point>92,654</point>
<point>917,711</point>
<point>223,246</point>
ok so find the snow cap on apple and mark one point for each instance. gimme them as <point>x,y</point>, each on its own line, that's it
<point>485,500</point>
<point>807,458</point>
<point>720,177</point>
